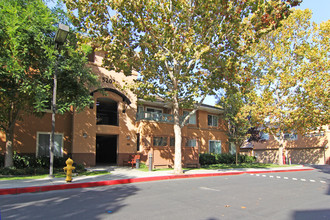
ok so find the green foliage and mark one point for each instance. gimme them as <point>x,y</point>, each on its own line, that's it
<point>225,158</point>
<point>32,165</point>
<point>27,64</point>
<point>183,50</point>
<point>79,167</point>
<point>13,171</point>
<point>206,159</point>
<point>292,66</point>
<point>31,161</point>
<point>143,166</point>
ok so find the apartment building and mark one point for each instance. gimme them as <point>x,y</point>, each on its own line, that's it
<point>119,125</point>
<point>308,148</point>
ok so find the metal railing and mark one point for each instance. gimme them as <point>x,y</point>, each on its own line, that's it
<point>154,116</point>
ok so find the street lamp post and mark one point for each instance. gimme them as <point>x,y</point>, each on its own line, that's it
<point>59,40</point>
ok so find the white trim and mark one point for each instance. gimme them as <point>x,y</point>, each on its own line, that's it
<point>216,117</point>
<point>41,132</point>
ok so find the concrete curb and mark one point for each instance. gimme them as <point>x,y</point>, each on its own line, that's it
<point>34,189</point>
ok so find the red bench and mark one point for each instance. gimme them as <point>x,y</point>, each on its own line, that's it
<point>133,159</point>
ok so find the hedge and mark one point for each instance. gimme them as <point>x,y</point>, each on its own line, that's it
<point>224,158</point>
<point>32,165</point>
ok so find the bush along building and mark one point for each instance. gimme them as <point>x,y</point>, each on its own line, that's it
<point>119,125</point>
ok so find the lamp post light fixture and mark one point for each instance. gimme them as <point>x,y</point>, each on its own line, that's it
<point>60,37</point>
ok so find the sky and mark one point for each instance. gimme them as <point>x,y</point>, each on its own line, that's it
<point>321,12</point>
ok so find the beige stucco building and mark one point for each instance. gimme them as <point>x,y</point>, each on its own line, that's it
<point>119,125</point>
<point>309,148</point>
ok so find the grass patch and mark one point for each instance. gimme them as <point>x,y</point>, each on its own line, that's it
<point>56,174</point>
<point>224,166</point>
<point>242,165</point>
<point>146,169</point>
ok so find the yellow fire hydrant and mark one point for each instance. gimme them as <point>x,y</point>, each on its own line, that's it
<point>69,169</point>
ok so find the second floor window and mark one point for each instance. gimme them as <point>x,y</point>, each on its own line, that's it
<point>160,141</point>
<point>212,120</point>
<point>192,119</point>
<point>106,112</point>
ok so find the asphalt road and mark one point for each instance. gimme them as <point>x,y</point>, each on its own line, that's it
<point>292,195</point>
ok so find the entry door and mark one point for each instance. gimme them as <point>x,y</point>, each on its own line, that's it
<point>106,149</point>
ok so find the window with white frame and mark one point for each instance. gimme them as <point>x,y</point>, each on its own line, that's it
<point>191,143</point>
<point>232,148</point>
<point>212,120</point>
<point>192,119</point>
<point>160,141</point>
<point>43,143</point>
<point>215,147</point>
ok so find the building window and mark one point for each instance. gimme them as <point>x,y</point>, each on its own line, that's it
<point>191,143</point>
<point>212,120</point>
<point>138,142</point>
<point>318,134</point>
<point>192,119</point>
<point>140,109</point>
<point>172,141</point>
<point>106,112</point>
<point>43,143</point>
<point>215,147</point>
<point>290,137</point>
<point>160,141</point>
<point>156,110</point>
<point>232,148</point>
<point>153,114</point>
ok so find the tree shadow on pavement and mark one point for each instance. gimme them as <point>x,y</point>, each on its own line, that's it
<point>322,168</point>
<point>86,203</point>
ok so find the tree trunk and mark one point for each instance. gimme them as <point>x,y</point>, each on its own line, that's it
<point>280,149</point>
<point>178,141</point>
<point>9,149</point>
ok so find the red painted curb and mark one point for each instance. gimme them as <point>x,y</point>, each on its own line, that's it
<point>33,189</point>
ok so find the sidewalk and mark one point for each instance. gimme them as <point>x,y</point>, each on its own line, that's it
<point>123,175</point>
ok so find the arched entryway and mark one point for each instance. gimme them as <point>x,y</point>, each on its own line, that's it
<point>106,112</point>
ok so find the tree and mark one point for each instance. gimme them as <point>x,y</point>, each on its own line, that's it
<point>183,50</point>
<point>27,59</point>
<point>236,112</point>
<point>292,88</point>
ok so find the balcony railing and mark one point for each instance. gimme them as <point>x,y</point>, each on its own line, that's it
<point>154,116</point>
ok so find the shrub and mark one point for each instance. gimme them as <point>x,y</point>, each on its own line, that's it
<point>246,159</point>
<point>207,159</point>
<point>24,161</point>
<point>79,167</point>
<point>225,158</point>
